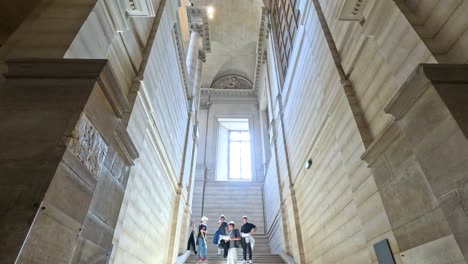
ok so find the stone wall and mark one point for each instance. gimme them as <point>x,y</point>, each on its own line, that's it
<point>160,124</point>
<point>342,210</point>
<point>96,117</point>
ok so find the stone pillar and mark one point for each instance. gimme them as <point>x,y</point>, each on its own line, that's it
<point>197,84</point>
<point>193,54</point>
<point>431,112</point>
<point>59,125</point>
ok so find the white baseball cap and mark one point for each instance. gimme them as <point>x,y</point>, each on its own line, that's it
<point>204,218</point>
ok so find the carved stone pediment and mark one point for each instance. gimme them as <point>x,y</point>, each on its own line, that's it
<point>143,8</point>
<point>232,82</point>
<point>352,10</point>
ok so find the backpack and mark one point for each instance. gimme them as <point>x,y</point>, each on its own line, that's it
<point>237,243</point>
<point>216,237</point>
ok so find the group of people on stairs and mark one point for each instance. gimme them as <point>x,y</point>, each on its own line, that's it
<point>227,239</point>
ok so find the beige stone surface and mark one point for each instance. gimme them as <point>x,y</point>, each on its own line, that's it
<point>103,158</point>
<point>443,250</point>
<point>395,198</point>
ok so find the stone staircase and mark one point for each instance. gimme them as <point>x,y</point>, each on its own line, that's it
<point>234,199</point>
<point>261,254</point>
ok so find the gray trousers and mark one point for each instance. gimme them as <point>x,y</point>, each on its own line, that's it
<point>232,256</point>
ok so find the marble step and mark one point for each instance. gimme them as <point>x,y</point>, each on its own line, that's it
<point>258,259</point>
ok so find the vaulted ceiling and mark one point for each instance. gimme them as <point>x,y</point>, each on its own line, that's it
<point>234,35</point>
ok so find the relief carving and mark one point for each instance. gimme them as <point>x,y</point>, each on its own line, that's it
<point>232,82</point>
<point>87,145</point>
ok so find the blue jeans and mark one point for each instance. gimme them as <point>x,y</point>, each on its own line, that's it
<point>201,248</point>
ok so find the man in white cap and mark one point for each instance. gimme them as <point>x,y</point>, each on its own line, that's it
<point>201,239</point>
<point>234,238</point>
<point>247,239</point>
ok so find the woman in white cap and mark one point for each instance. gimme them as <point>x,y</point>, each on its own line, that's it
<point>222,228</point>
<point>234,239</point>
<point>201,239</point>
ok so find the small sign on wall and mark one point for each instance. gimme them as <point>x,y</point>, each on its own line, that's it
<point>384,252</point>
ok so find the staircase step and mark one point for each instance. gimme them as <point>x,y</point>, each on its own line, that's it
<point>258,259</point>
<point>248,202</point>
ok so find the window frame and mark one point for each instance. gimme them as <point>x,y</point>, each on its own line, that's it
<point>284,19</point>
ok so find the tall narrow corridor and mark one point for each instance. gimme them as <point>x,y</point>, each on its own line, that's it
<point>339,127</point>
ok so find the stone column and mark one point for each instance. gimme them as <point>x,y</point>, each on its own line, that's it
<point>192,55</point>
<point>197,84</point>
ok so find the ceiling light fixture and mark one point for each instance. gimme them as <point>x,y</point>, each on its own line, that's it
<point>210,10</point>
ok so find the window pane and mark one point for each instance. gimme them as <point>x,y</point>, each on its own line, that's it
<point>290,14</point>
<point>239,155</point>
<point>239,135</point>
<point>234,160</point>
<point>285,15</point>
<point>245,168</point>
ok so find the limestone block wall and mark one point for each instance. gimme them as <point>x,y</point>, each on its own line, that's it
<point>442,25</point>
<point>131,92</point>
<point>272,204</point>
<point>150,200</point>
<point>341,211</point>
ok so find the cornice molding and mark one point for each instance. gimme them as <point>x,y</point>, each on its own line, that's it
<point>261,48</point>
<point>207,91</point>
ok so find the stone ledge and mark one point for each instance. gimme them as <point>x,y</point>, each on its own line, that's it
<point>380,143</point>
<point>54,68</point>
<point>125,146</point>
<point>99,69</point>
<point>449,80</point>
